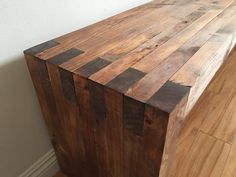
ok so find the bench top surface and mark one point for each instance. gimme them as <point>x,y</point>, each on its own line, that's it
<point>150,51</point>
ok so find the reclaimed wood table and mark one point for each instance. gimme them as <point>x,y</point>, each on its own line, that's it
<point>115,94</point>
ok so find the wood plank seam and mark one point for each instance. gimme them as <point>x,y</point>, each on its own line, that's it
<point>115,94</point>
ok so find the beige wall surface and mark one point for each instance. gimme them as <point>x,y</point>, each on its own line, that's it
<point>23,24</point>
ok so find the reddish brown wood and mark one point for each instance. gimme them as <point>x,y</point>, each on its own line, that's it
<point>115,94</point>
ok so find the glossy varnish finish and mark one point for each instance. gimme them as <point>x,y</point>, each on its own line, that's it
<point>115,94</point>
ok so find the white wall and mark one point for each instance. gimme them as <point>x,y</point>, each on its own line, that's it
<point>23,24</point>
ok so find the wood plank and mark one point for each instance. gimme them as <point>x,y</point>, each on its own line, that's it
<point>189,79</point>
<point>116,95</point>
<point>207,161</point>
<point>167,68</point>
<point>137,54</point>
<point>132,150</point>
<point>133,115</point>
<point>43,87</point>
<point>114,32</point>
<point>224,128</point>
<point>114,41</point>
<point>114,109</point>
<point>72,148</point>
<point>42,47</point>
<point>86,124</point>
<point>165,50</point>
<point>175,122</point>
<point>102,26</point>
<point>203,76</point>
<point>155,126</point>
<point>217,99</point>
<point>230,165</point>
<point>190,130</point>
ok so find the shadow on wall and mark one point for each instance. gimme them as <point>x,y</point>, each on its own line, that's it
<point>21,129</point>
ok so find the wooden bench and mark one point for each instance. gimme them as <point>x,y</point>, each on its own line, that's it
<point>114,95</point>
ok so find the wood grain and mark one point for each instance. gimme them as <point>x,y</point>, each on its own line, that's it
<point>212,112</point>
<point>116,94</point>
<point>199,152</point>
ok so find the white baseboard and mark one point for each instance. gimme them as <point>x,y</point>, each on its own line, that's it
<point>46,166</point>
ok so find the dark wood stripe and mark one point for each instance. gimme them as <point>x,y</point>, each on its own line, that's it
<point>97,99</point>
<point>41,47</point>
<point>65,56</point>
<point>92,67</point>
<point>155,129</point>
<point>228,29</point>
<point>123,81</point>
<point>133,115</point>
<point>42,74</point>
<point>67,83</point>
<point>86,123</point>
<point>168,96</point>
